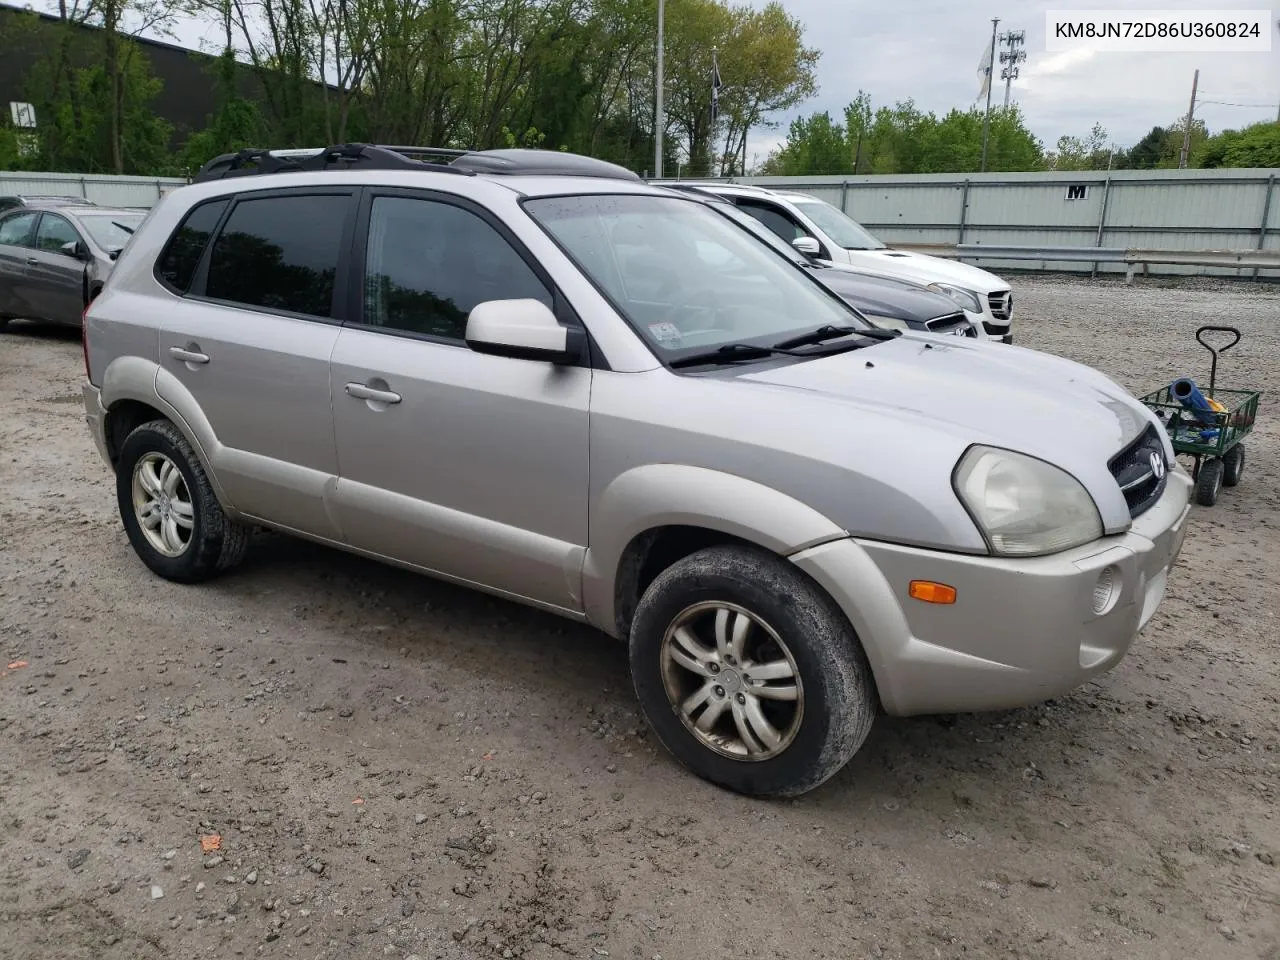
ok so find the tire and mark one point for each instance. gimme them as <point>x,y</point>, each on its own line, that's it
<point>1209,482</point>
<point>211,544</point>
<point>836,700</point>
<point>1233,466</point>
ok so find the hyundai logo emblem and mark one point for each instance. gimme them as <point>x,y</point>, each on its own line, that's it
<point>1157,466</point>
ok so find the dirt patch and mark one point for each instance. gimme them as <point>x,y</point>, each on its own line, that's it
<point>400,768</point>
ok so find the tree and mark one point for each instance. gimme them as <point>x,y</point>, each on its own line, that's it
<point>815,146</point>
<point>1147,152</point>
<point>1090,152</point>
<point>104,123</point>
<point>1257,145</point>
<point>765,67</point>
<point>903,139</point>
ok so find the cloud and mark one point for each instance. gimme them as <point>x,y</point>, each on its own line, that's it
<point>928,51</point>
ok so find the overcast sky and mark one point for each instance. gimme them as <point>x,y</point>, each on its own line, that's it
<point>930,50</point>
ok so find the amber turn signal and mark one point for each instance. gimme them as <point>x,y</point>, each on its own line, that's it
<point>931,592</point>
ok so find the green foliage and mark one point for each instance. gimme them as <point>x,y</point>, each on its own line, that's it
<point>902,139</point>
<point>75,108</point>
<point>1257,145</point>
<point>556,74</point>
<point>1090,152</point>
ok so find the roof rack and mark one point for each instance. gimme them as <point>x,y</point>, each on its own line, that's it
<point>255,162</point>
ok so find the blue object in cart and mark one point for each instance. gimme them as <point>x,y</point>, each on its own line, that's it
<point>1185,391</point>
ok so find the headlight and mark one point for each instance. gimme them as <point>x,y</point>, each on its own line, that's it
<point>965,299</point>
<point>1024,506</point>
<point>889,323</point>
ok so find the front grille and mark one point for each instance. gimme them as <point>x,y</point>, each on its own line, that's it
<point>954,324</point>
<point>1001,304</point>
<point>1141,471</point>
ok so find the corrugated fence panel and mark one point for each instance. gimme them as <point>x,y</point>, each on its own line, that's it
<point>884,208</point>
<point>105,191</point>
<point>1150,209</point>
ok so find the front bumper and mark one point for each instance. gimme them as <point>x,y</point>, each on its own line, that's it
<point>1020,631</point>
<point>95,415</point>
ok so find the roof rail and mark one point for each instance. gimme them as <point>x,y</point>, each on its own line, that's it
<point>256,162</point>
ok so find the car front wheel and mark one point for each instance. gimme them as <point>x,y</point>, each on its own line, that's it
<point>749,673</point>
<point>169,510</point>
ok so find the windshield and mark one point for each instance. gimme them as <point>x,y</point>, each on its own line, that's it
<point>842,230</point>
<point>684,277</point>
<point>110,231</point>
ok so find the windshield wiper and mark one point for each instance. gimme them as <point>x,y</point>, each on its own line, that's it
<point>128,230</point>
<point>740,352</point>
<point>831,332</point>
<point>729,353</point>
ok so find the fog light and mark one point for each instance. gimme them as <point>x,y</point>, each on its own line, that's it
<point>1107,590</point>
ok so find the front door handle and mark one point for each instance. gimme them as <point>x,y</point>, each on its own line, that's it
<point>362,392</point>
<point>33,261</point>
<point>188,356</point>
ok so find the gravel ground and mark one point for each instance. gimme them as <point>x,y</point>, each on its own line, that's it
<point>398,768</point>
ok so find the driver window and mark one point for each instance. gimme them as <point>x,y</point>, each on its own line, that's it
<point>429,263</point>
<point>775,220</point>
<point>53,232</point>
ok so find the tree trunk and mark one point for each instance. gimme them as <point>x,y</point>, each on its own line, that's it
<point>115,83</point>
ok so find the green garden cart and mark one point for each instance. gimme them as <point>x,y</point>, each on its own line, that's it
<point>1210,425</point>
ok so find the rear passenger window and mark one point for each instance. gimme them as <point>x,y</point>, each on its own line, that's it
<point>16,231</point>
<point>280,253</point>
<point>181,256</point>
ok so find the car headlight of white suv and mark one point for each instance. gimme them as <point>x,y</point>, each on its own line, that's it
<point>1024,506</point>
<point>965,299</point>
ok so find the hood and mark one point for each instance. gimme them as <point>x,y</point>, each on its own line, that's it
<point>926,269</point>
<point>1000,395</point>
<point>886,297</point>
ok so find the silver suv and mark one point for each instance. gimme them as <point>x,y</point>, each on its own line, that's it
<point>536,375</point>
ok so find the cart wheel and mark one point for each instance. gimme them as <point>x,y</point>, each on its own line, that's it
<point>1209,483</point>
<point>1233,466</point>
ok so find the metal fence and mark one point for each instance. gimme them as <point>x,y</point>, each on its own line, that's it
<point>103,190</point>
<point>1165,210</point>
<point>1146,209</point>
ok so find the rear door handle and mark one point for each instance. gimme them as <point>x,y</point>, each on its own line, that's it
<point>362,392</point>
<point>188,356</point>
<point>33,261</point>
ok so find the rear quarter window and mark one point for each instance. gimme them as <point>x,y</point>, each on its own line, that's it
<point>177,264</point>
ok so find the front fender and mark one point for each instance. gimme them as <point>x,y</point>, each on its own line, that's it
<point>665,494</point>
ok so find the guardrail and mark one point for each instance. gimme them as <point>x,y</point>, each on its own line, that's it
<point>1134,258</point>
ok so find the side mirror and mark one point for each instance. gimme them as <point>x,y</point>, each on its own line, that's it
<point>523,330</point>
<point>74,248</point>
<point>807,245</point>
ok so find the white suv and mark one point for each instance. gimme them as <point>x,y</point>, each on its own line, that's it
<point>827,234</point>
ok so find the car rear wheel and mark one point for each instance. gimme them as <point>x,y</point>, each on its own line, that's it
<point>169,510</point>
<point>749,674</point>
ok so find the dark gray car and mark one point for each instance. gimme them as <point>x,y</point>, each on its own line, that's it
<point>885,301</point>
<point>55,256</point>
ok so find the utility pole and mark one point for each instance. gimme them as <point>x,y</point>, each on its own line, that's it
<point>1186,133</point>
<point>1011,59</point>
<point>991,67</point>
<point>659,114</point>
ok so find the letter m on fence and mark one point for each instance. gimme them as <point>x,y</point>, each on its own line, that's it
<point>1077,191</point>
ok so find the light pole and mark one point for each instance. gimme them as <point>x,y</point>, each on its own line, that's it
<point>991,65</point>
<point>659,115</point>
